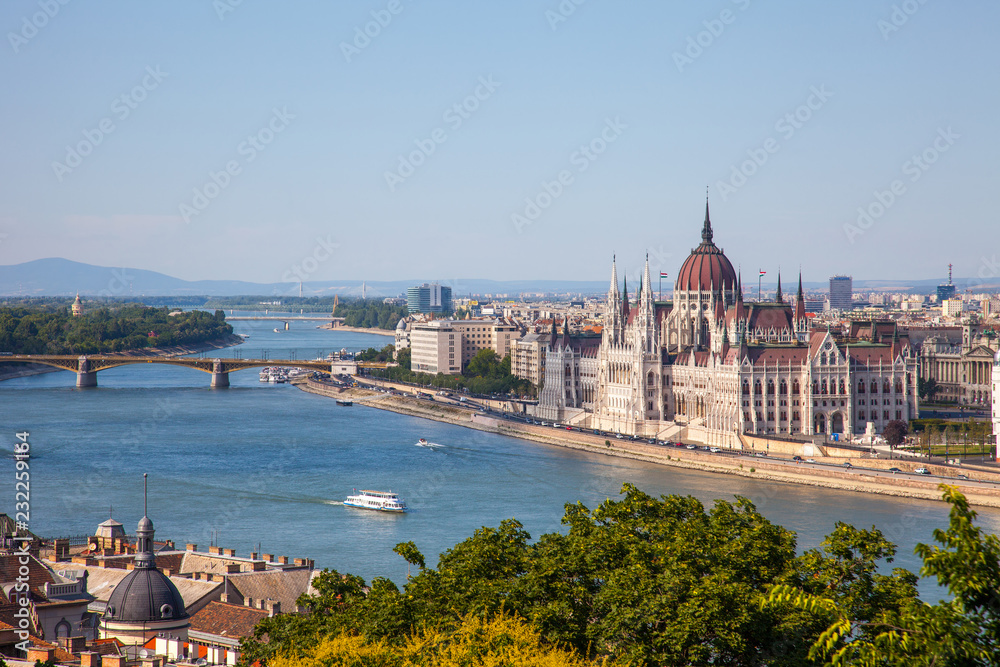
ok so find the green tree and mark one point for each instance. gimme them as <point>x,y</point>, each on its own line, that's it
<point>895,433</point>
<point>962,631</point>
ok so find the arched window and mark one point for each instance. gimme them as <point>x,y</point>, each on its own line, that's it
<point>822,359</point>
<point>822,389</point>
<point>874,386</point>
<point>784,388</point>
<point>899,386</point>
<point>861,386</point>
<point>756,388</point>
<point>795,387</point>
<point>885,386</point>
<point>770,387</point>
<point>843,389</point>
<point>746,387</point>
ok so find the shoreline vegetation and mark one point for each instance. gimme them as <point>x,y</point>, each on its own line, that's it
<point>744,466</point>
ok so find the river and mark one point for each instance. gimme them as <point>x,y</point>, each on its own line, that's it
<point>266,466</point>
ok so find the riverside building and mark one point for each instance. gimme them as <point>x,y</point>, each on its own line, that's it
<point>445,346</point>
<point>709,366</point>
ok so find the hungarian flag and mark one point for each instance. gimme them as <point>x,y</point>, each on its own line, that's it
<point>663,274</point>
<point>763,273</point>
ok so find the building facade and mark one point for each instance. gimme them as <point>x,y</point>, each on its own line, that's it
<point>445,346</point>
<point>962,371</point>
<point>841,293</point>
<point>710,366</point>
<point>428,298</point>
<point>996,403</point>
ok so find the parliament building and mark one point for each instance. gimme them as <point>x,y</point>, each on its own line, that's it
<point>708,365</point>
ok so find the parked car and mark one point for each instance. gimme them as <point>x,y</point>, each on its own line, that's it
<point>692,446</point>
<point>618,436</point>
<point>714,450</point>
<point>963,477</point>
<point>894,470</point>
<point>810,460</point>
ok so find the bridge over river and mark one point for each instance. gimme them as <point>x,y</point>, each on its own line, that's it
<point>86,366</point>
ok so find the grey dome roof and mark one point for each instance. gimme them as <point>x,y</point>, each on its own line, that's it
<point>145,594</point>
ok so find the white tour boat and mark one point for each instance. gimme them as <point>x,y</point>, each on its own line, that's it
<point>382,501</point>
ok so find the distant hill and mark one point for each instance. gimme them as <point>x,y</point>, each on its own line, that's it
<point>62,277</point>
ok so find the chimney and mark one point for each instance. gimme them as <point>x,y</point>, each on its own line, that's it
<point>273,607</point>
<point>282,560</point>
<point>191,547</point>
<point>253,555</point>
<point>39,653</point>
<point>248,601</point>
<point>215,550</point>
<point>259,566</point>
<point>268,557</point>
<point>114,661</point>
<point>300,561</point>
<point>229,552</point>
<point>224,598</point>
<point>232,568</point>
<point>90,659</point>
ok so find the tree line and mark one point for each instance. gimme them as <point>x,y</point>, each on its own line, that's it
<point>127,327</point>
<point>646,581</point>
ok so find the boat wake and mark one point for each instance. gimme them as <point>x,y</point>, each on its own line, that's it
<point>333,502</point>
<point>430,445</point>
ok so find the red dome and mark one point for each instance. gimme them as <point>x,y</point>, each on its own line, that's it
<point>707,268</point>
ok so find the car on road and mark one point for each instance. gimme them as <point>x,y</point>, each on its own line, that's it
<point>691,446</point>
<point>847,464</point>
<point>894,470</point>
<point>618,436</point>
<point>797,459</point>
<point>922,471</point>
<point>714,450</point>
<point>810,460</point>
<point>966,477</point>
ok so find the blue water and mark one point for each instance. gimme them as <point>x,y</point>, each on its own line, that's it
<point>268,465</point>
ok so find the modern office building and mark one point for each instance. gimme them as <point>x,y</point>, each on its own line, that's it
<point>429,299</point>
<point>946,290</point>
<point>841,292</point>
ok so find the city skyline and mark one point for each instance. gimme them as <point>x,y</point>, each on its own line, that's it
<point>237,141</point>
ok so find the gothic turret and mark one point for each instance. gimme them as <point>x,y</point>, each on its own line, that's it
<point>777,294</point>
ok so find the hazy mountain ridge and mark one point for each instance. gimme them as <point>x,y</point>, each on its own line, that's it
<point>59,277</point>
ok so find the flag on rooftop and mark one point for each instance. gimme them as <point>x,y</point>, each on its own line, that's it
<point>663,274</point>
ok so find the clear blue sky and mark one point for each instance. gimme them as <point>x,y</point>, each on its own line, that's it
<point>611,68</point>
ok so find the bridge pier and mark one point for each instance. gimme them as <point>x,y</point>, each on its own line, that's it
<point>84,376</point>
<point>220,376</point>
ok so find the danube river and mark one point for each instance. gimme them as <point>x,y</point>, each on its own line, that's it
<point>268,465</point>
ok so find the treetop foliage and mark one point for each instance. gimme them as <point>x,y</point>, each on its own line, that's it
<point>129,327</point>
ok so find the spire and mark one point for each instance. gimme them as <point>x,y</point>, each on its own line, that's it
<point>646,298</point>
<point>625,304</point>
<point>706,231</point>
<point>565,336</point>
<point>777,294</point>
<point>613,289</point>
<point>800,302</point>
<point>144,557</point>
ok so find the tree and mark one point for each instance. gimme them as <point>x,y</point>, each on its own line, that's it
<point>960,631</point>
<point>501,639</point>
<point>927,388</point>
<point>895,433</point>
